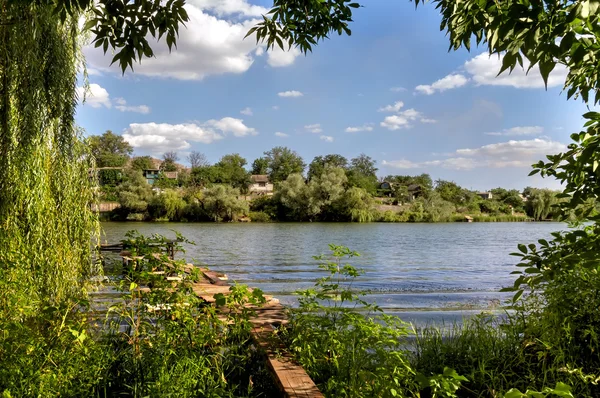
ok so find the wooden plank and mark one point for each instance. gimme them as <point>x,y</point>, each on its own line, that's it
<point>291,378</point>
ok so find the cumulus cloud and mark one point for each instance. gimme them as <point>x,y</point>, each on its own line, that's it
<point>446,83</point>
<point>278,58</point>
<point>121,105</point>
<point>519,130</point>
<point>314,128</point>
<point>232,125</point>
<point>522,153</point>
<point>246,111</point>
<point>395,107</point>
<point>212,43</point>
<point>402,120</point>
<point>357,129</point>
<point>484,68</point>
<point>326,138</point>
<point>290,94</point>
<point>428,121</point>
<point>96,96</point>
<point>280,134</point>
<point>161,137</point>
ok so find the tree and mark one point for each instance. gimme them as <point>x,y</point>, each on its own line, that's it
<point>109,150</point>
<point>222,204</point>
<point>260,166</point>
<point>283,162</point>
<point>142,163</point>
<point>197,159</point>
<point>328,187</point>
<point>362,173</point>
<point>230,170</point>
<point>169,161</point>
<point>134,194</point>
<point>318,164</point>
<point>203,176</point>
<point>540,203</point>
<point>294,194</point>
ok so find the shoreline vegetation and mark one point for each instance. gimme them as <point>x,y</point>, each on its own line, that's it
<point>276,189</point>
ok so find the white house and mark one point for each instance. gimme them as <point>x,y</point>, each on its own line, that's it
<point>260,185</point>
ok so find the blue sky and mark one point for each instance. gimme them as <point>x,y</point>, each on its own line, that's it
<point>391,90</point>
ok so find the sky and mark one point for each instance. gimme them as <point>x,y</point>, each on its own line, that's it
<point>391,90</point>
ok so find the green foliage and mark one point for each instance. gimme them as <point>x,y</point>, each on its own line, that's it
<point>362,173</point>
<point>283,162</point>
<point>540,203</point>
<point>109,150</point>
<point>260,166</point>
<point>259,216</point>
<point>347,353</point>
<point>230,170</point>
<point>317,166</point>
<point>46,191</point>
<point>168,204</point>
<point>303,23</point>
<point>222,204</point>
<point>142,163</point>
<point>169,161</point>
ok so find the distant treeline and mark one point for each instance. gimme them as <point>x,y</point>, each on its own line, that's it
<point>333,189</point>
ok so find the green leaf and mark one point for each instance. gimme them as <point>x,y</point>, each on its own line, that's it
<point>522,248</point>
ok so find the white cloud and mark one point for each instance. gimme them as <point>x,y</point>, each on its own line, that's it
<point>397,89</point>
<point>230,7</point>
<point>121,105</point>
<point>428,121</point>
<point>208,45</point>
<point>232,125</point>
<point>402,120</point>
<point>246,111</point>
<point>395,122</point>
<point>290,94</point>
<point>446,83</point>
<point>275,107</point>
<point>519,130</point>
<point>512,153</point>
<point>162,137</point>
<point>395,107</point>
<point>357,129</point>
<point>483,70</point>
<point>314,128</point>
<point>278,58</point>
<point>282,135</point>
<point>96,96</point>
<point>326,138</point>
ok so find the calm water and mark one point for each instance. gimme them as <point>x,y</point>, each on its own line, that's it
<point>422,272</point>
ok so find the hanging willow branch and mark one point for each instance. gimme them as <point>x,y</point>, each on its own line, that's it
<point>46,225</point>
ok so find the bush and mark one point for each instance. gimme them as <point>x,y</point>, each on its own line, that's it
<point>259,216</point>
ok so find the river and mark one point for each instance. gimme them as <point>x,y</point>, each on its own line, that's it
<point>421,272</point>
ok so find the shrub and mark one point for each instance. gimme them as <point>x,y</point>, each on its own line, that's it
<point>259,216</point>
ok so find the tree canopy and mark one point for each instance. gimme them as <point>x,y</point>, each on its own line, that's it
<point>109,150</point>
<point>283,162</point>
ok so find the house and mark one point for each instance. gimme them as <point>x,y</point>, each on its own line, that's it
<point>260,185</point>
<point>415,191</point>
<point>151,175</point>
<point>385,188</point>
<point>485,195</point>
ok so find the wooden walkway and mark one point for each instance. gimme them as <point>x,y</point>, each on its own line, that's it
<point>291,378</point>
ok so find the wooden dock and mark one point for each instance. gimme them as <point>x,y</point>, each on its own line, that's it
<point>291,378</point>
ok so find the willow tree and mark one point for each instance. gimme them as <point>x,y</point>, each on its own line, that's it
<point>47,227</point>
